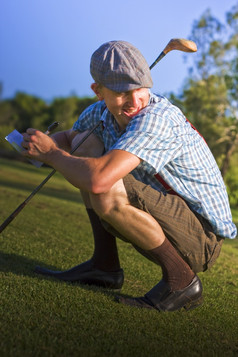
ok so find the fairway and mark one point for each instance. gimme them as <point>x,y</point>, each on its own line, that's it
<point>40,316</point>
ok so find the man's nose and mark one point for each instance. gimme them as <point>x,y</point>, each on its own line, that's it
<point>133,98</point>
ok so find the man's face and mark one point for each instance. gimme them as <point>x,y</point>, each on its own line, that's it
<point>124,105</point>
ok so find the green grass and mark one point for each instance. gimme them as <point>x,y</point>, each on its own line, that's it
<point>235,215</point>
<point>44,317</point>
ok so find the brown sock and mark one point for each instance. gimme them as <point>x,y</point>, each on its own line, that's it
<point>105,254</point>
<point>175,270</point>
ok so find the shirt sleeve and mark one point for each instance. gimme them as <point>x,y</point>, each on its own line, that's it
<point>90,117</point>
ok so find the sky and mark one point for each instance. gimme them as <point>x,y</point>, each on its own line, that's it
<point>46,45</point>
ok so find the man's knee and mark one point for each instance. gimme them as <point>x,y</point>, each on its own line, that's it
<point>91,147</point>
<point>110,203</point>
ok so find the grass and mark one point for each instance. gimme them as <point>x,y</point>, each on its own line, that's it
<point>44,317</point>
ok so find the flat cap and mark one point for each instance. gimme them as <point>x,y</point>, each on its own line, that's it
<point>120,66</point>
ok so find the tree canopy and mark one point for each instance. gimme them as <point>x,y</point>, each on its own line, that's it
<point>209,97</point>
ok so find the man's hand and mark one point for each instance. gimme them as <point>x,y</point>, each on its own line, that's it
<point>38,145</point>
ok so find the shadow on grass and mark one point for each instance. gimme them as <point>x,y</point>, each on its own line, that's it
<point>46,191</point>
<point>16,264</point>
<point>23,266</point>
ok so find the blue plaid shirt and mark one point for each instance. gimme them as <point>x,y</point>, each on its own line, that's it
<point>161,136</point>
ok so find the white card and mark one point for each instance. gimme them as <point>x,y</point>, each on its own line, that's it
<point>15,139</point>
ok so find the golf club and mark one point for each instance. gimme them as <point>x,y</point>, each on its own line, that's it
<point>174,44</point>
<point>179,44</point>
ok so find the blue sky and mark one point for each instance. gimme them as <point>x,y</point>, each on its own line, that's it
<point>46,45</point>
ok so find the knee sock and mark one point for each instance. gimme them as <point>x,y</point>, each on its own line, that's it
<point>105,256</point>
<point>175,270</point>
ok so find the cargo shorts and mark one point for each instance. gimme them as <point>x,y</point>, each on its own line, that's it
<point>187,231</point>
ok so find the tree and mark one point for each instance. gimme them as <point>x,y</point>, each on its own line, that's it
<point>26,109</point>
<point>209,97</point>
<point>231,78</point>
<point>67,110</point>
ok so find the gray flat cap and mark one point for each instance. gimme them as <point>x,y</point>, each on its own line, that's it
<point>120,66</point>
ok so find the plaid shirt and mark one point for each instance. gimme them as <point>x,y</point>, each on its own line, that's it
<point>161,136</point>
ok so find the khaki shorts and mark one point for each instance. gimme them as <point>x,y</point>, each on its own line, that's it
<point>189,232</point>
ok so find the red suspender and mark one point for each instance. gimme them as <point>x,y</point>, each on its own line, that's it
<point>166,186</point>
<point>195,129</point>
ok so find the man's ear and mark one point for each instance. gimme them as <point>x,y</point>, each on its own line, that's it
<point>97,88</point>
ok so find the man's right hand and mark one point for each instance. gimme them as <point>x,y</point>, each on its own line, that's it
<point>38,145</point>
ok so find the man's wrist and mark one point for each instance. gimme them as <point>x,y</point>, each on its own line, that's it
<point>55,156</point>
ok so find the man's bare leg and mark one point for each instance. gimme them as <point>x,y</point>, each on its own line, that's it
<point>142,230</point>
<point>135,225</point>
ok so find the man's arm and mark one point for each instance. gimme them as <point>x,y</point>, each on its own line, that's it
<point>96,175</point>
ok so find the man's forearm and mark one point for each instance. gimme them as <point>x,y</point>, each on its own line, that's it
<point>80,172</point>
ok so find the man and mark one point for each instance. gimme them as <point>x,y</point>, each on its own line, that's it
<point>148,175</point>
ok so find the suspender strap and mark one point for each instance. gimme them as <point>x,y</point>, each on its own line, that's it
<point>165,185</point>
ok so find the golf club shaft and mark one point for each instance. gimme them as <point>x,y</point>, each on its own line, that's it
<point>162,54</point>
<point>23,204</point>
